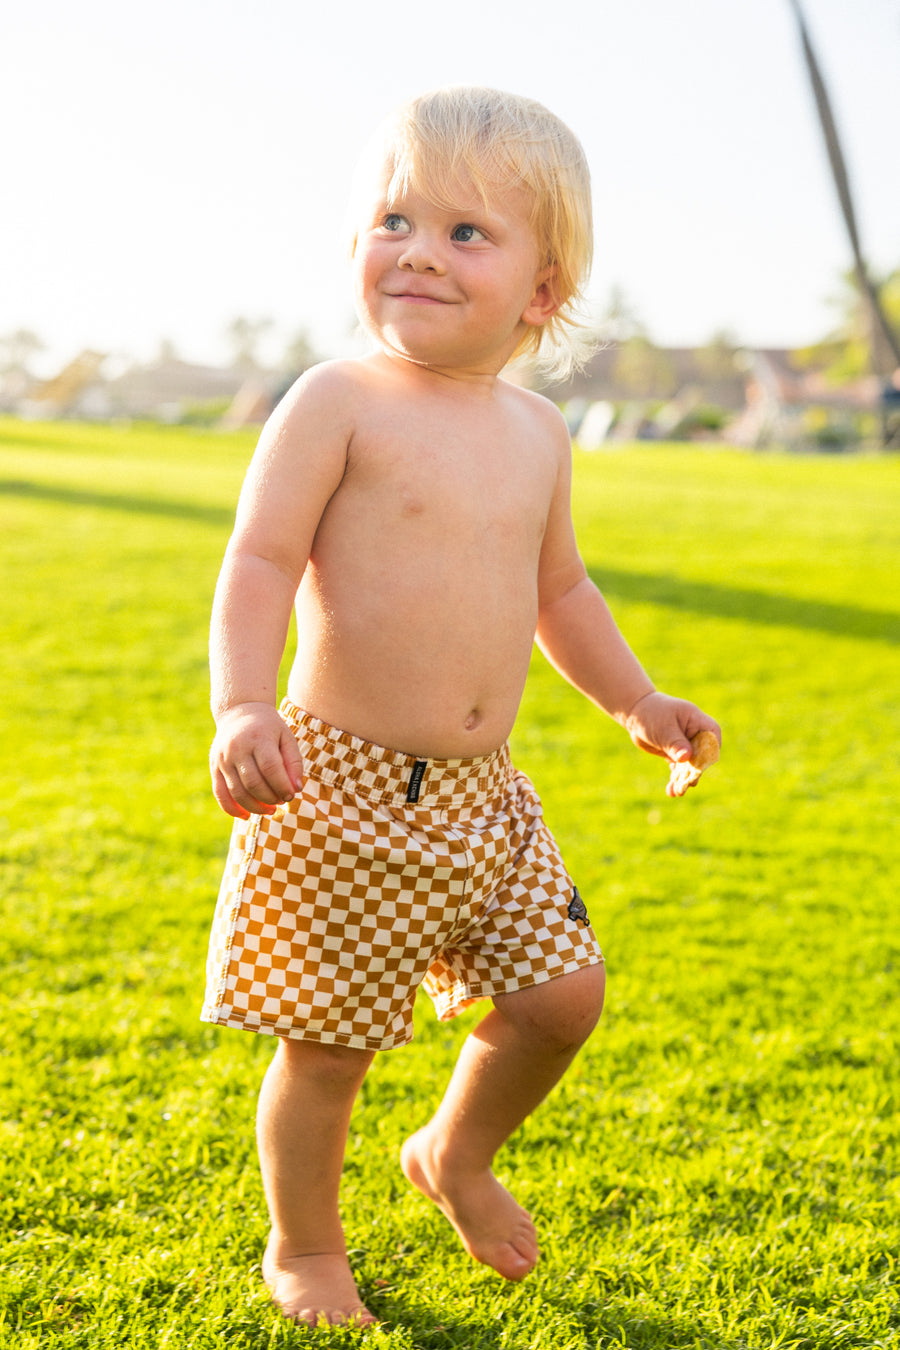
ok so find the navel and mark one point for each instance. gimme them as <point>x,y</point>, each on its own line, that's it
<point>473,720</point>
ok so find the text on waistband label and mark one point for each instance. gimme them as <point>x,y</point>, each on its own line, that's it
<point>415,780</point>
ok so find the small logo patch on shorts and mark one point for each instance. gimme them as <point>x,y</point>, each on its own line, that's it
<point>415,780</point>
<point>576,910</point>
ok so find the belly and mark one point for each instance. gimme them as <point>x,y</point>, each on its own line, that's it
<point>433,669</point>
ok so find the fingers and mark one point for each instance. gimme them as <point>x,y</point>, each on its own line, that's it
<point>650,747</point>
<point>225,799</point>
<point>672,748</point>
<point>679,751</point>
<point>292,761</point>
<point>250,787</point>
<point>656,725</point>
<point>670,727</point>
<point>255,763</point>
<point>666,726</point>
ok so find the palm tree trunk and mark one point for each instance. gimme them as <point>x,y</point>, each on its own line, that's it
<point>884,347</point>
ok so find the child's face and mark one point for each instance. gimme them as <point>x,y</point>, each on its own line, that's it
<point>454,288</point>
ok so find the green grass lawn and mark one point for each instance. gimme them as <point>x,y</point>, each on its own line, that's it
<point>718,1170</point>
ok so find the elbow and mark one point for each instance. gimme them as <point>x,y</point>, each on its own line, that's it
<point>556,597</point>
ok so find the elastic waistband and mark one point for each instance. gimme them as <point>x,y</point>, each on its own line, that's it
<point>333,756</point>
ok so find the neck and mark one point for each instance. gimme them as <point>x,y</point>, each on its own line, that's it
<point>474,377</point>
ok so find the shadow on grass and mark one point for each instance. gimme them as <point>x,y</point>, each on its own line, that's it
<point>114,501</point>
<point>697,597</point>
<point>751,606</point>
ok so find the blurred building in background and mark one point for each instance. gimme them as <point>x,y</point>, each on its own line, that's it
<point>630,390</point>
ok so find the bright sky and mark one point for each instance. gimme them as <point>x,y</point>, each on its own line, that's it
<point>169,166</point>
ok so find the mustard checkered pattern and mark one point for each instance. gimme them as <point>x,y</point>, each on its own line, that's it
<point>384,873</point>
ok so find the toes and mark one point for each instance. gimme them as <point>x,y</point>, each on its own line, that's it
<point>330,1317</point>
<point>325,1278</point>
<point>515,1265</point>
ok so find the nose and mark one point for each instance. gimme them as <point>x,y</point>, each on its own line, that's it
<point>422,254</point>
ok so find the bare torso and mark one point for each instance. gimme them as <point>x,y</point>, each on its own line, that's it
<point>417,610</point>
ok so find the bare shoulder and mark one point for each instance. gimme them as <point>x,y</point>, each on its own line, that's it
<point>546,424</point>
<point>301,456</point>
<point>544,414</point>
<point>315,421</point>
<point>331,386</point>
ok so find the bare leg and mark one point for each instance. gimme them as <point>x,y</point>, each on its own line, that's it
<point>302,1121</point>
<point>506,1068</point>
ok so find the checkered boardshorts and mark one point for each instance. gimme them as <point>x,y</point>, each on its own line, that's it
<point>386,872</point>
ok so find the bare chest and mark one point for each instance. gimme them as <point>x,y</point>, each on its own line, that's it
<point>454,488</point>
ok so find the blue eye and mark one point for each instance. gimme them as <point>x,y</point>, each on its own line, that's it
<point>466,234</point>
<point>395,224</point>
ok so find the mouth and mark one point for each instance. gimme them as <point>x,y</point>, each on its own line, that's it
<point>416,298</point>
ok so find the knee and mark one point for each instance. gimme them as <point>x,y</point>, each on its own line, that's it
<point>560,1014</point>
<point>336,1066</point>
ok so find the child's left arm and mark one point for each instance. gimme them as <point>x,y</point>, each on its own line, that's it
<point>579,636</point>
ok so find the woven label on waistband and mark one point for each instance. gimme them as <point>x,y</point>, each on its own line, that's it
<point>415,780</point>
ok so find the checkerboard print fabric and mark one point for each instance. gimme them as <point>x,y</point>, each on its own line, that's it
<point>335,909</point>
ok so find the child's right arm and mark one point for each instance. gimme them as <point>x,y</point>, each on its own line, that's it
<point>254,760</point>
<point>299,462</point>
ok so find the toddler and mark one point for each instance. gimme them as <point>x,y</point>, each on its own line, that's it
<point>413,509</point>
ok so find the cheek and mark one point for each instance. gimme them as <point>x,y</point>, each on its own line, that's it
<point>368,266</point>
<point>361,275</point>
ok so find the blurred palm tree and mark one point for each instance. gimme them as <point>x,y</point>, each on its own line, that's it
<point>883,345</point>
<point>244,336</point>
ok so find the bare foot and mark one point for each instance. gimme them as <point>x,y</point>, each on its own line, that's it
<point>316,1290</point>
<point>492,1227</point>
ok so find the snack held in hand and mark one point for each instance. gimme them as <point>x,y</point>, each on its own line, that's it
<point>686,773</point>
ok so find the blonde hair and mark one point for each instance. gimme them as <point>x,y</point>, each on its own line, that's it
<point>502,141</point>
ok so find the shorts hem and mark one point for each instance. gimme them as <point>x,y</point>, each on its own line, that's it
<point>304,1034</point>
<point>448,1006</point>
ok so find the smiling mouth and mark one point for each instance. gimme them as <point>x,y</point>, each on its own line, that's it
<point>412,298</point>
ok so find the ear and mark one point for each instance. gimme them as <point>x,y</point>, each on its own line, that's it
<point>545,302</point>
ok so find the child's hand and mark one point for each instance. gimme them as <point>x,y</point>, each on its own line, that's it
<point>254,761</point>
<point>663,725</point>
